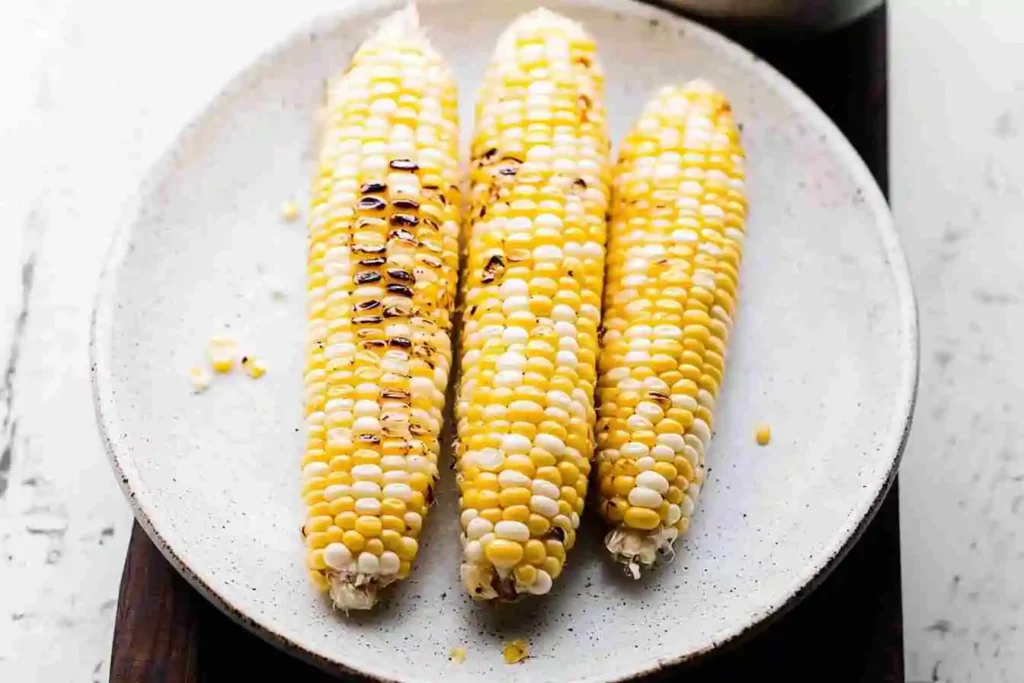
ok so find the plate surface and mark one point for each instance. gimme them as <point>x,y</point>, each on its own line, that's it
<point>825,350</point>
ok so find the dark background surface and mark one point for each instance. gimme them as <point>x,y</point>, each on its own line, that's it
<point>849,630</point>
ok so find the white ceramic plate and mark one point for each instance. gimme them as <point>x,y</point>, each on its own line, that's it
<point>825,349</point>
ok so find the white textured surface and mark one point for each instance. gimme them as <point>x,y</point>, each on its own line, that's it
<point>93,90</point>
<point>957,153</point>
<point>109,98</point>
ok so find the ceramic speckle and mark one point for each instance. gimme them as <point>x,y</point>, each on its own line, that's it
<point>825,349</point>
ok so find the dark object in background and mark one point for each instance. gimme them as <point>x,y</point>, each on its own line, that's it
<point>803,15</point>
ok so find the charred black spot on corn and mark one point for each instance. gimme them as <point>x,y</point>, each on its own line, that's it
<point>373,188</point>
<point>372,204</point>
<point>403,165</point>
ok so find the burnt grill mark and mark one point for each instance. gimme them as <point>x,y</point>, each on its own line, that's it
<point>431,261</point>
<point>431,223</point>
<point>370,319</point>
<point>401,234</point>
<point>369,249</point>
<point>373,262</point>
<point>400,342</point>
<point>505,588</point>
<point>369,438</point>
<point>399,290</point>
<point>404,165</point>
<point>367,277</point>
<point>368,222</point>
<point>373,188</point>
<point>406,204</point>
<point>580,184</point>
<point>487,156</point>
<point>374,344</point>
<point>395,394</point>
<point>401,275</point>
<point>394,312</point>
<point>404,220</point>
<point>372,204</point>
<point>366,306</point>
<point>658,397</point>
<point>494,268</point>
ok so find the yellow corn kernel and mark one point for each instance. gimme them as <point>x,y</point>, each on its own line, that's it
<point>254,367</point>
<point>533,551</point>
<point>222,350</point>
<point>642,518</point>
<point>369,527</point>
<point>503,553</point>
<point>354,541</point>
<point>525,574</point>
<point>289,210</point>
<point>515,651</point>
<point>763,434</point>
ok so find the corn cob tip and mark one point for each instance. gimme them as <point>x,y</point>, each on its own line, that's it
<point>483,583</point>
<point>400,24</point>
<point>639,551</point>
<point>543,18</point>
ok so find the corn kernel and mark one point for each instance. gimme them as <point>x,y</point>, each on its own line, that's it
<point>254,367</point>
<point>222,351</point>
<point>763,434</point>
<point>200,379</point>
<point>354,541</point>
<point>289,210</point>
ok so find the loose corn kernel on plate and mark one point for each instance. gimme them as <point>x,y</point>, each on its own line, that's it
<point>253,497</point>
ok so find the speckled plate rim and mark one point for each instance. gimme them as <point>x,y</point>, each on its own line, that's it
<point>101,325</point>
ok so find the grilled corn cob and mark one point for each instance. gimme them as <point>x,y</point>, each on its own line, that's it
<point>675,239</point>
<point>540,179</point>
<point>382,274</point>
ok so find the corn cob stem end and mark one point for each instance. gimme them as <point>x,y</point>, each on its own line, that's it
<point>482,582</point>
<point>638,551</point>
<point>357,592</point>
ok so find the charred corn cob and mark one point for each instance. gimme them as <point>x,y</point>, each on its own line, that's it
<point>675,239</point>
<point>382,274</point>
<point>540,179</point>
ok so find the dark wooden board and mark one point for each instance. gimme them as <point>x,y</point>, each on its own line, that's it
<point>849,630</point>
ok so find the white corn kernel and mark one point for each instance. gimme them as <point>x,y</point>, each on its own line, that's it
<point>337,556</point>
<point>645,498</point>
<point>513,531</point>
